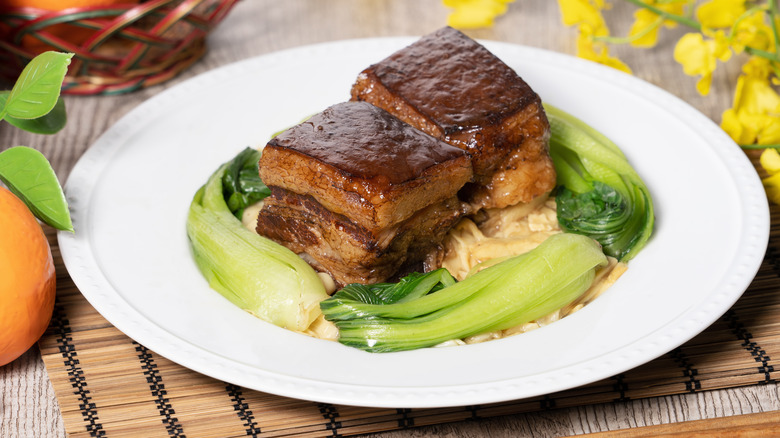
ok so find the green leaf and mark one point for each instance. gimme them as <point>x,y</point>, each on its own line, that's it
<point>599,193</point>
<point>29,176</point>
<point>410,287</point>
<point>37,90</point>
<point>50,123</point>
<point>242,184</point>
<point>603,214</point>
<point>517,290</point>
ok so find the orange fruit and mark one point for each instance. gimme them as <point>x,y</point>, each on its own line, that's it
<point>27,278</point>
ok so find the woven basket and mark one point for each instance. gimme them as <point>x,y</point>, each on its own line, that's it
<point>117,48</point>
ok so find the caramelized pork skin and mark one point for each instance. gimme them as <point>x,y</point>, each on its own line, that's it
<point>451,87</point>
<point>359,161</point>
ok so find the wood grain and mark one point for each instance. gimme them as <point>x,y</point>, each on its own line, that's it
<point>28,406</point>
<point>748,425</point>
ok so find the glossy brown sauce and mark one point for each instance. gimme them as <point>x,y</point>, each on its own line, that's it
<point>435,73</point>
<point>366,142</point>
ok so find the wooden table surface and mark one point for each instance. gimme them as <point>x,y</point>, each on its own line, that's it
<point>28,406</point>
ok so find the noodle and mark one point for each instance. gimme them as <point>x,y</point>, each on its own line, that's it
<point>508,232</point>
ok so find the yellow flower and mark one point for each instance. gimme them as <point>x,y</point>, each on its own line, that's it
<point>584,13</point>
<point>644,31</point>
<point>756,67</point>
<point>755,115</point>
<point>752,31</point>
<point>751,128</point>
<point>699,56</point>
<point>755,119</point>
<point>720,13</point>
<point>770,161</point>
<point>592,50</point>
<point>470,14</point>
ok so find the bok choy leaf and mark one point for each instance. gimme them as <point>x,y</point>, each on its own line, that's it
<point>253,272</point>
<point>599,194</point>
<point>515,291</point>
<point>241,182</point>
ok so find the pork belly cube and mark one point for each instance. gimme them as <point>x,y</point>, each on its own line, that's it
<point>360,162</point>
<point>453,88</point>
<point>349,252</point>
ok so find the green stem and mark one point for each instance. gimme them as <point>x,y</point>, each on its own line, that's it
<point>695,25</point>
<point>774,57</point>
<point>759,146</point>
<point>668,16</point>
<point>632,38</point>
<point>771,10</point>
<point>772,16</point>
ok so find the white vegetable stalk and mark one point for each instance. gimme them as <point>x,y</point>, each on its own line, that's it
<point>253,272</point>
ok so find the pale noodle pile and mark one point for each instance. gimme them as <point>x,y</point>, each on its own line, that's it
<point>512,231</point>
<point>501,232</point>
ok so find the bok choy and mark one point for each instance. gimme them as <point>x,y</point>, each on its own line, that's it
<point>599,194</point>
<point>432,308</point>
<point>253,272</point>
<point>241,182</point>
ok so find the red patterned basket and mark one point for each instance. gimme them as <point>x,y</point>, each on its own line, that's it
<point>117,48</point>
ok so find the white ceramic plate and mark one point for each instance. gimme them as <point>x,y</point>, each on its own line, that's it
<point>130,193</point>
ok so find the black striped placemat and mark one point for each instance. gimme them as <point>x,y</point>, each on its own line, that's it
<point>108,384</point>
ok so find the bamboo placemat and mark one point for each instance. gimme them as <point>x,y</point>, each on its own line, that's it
<point>109,385</point>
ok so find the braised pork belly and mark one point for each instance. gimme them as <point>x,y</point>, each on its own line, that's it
<point>358,193</point>
<point>440,130</point>
<point>453,88</point>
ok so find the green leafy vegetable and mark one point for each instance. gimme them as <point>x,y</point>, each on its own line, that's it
<point>517,290</point>
<point>599,194</point>
<point>30,177</point>
<point>411,287</point>
<point>255,273</point>
<point>242,183</point>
